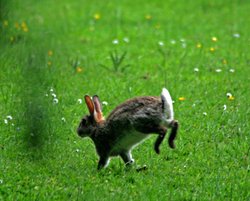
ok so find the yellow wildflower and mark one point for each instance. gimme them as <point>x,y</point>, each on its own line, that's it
<point>24,27</point>
<point>148,17</point>
<point>50,53</point>
<point>214,39</point>
<point>17,26</point>
<point>181,98</point>
<point>97,16</point>
<point>79,69</point>
<point>212,49</point>
<point>49,63</point>
<point>157,26</point>
<point>199,45</point>
<point>224,61</point>
<point>12,39</point>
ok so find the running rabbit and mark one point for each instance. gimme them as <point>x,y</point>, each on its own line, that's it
<point>127,125</point>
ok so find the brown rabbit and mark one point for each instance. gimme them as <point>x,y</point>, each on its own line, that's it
<point>128,125</point>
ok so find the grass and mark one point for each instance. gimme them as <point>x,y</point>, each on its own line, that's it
<point>54,51</point>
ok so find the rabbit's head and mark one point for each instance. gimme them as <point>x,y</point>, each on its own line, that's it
<point>95,117</point>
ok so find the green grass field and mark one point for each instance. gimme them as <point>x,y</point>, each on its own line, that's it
<point>55,52</point>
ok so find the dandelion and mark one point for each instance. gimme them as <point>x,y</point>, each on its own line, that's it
<point>211,49</point>
<point>148,17</point>
<point>49,63</point>
<point>157,26</point>
<point>78,69</point>
<point>24,27</point>
<point>181,98</point>
<point>204,113</point>
<point>55,101</point>
<point>161,43</point>
<point>198,45</point>
<point>97,16</point>
<point>79,101</point>
<point>50,53</point>
<point>115,41</point>
<point>224,107</point>
<point>196,69</point>
<point>218,70</point>
<point>231,70</point>
<point>214,39</point>
<point>236,35</point>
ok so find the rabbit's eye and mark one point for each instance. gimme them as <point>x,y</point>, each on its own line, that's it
<point>83,122</point>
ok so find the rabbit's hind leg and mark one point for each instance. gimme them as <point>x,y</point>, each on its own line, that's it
<point>127,158</point>
<point>103,162</point>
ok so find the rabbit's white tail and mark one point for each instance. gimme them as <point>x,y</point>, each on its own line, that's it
<point>167,105</point>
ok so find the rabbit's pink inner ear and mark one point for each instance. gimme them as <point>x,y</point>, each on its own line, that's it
<point>98,109</point>
<point>89,104</point>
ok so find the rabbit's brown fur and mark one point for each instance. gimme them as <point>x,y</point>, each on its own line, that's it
<point>127,125</point>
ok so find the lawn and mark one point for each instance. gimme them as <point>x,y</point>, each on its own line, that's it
<point>55,52</point>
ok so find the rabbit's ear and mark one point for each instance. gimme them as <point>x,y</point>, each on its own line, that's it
<point>89,104</point>
<point>98,109</point>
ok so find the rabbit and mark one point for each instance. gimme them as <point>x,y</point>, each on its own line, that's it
<point>127,125</point>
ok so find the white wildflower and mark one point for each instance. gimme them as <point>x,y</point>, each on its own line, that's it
<point>173,42</point>
<point>229,95</point>
<point>224,107</point>
<point>161,43</point>
<point>182,40</point>
<point>55,101</point>
<point>9,117</point>
<point>231,70</point>
<point>196,69</point>
<point>54,95</point>
<point>126,40</point>
<point>6,121</point>
<point>184,45</point>
<point>104,102</point>
<point>51,90</point>
<point>77,150</point>
<point>236,35</point>
<point>204,113</point>
<point>63,119</point>
<point>218,70</point>
<point>115,41</point>
<point>79,101</point>
<point>1,181</point>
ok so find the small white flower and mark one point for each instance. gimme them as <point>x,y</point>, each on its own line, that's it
<point>224,107</point>
<point>184,45</point>
<point>194,105</point>
<point>182,40</point>
<point>55,101</point>
<point>161,43</point>
<point>236,35</point>
<point>229,95</point>
<point>54,95</point>
<point>12,124</point>
<point>204,113</point>
<point>77,150</point>
<point>9,117</point>
<point>126,40</point>
<point>196,69</point>
<point>46,95</point>
<point>173,42</point>
<point>1,181</point>
<point>63,119</point>
<point>115,41</point>
<point>6,121</point>
<point>218,70</point>
<point>51,90</point>
<point>104,102</point>
<point>231,70</point>
<point>79,101</point>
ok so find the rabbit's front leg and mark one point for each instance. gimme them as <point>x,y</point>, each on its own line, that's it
<point>127,158</point>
